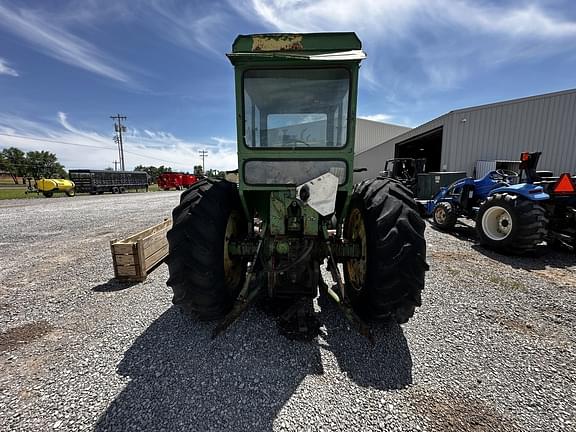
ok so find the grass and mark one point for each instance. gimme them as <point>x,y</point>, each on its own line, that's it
<point>506,283</point>
<point>19,193</point>
<point>15,193</point>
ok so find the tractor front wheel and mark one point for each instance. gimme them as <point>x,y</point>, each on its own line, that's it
<point>387,280</point>
<point>71,192</point>
<point>444,216</point>
<point>511,224</point>
<point>204,277</point>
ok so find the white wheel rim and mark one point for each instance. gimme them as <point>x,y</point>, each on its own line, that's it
<point>497,223</point>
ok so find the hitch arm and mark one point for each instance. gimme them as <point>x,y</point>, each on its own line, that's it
<point>244,298</point>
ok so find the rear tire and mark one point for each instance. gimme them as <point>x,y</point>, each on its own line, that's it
<point>48,194</point>
<point>388,280</point>
<point>205,279</point>
<point>444,216</point>
<point>511,224</point>
<point>115,190</point>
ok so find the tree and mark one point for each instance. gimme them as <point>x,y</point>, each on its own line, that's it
<point>153,171</point>
<point>198,171</point>
<point>214,173</point>
<point>44,164</point>
<point>13,161</point>
<point>32,164</point>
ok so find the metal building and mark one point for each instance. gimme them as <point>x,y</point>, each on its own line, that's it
<point>372,133</point>
<point>498,131</point>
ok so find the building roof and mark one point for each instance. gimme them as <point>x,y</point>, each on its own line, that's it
<point>439,121</point>
<point>370,133</point>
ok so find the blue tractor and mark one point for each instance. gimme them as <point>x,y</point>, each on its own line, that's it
<point>514,213</point>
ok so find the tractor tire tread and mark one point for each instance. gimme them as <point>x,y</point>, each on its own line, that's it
<point>396,251</point>
<point>196,249</point>
<point>530,217</point>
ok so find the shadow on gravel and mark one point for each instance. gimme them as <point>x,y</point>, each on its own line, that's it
<point>386,366</point>
<point>180,379</point>
<point>114,285</point>
<point>460,231</point>
<point>545,257</point>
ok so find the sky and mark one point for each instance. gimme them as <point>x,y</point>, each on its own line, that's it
<point>66,66</point>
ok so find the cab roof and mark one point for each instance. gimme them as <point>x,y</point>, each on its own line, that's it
<point>298,46</point>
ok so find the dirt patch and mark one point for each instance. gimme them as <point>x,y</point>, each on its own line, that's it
<point>508,283</point>
<point>23,334</point>
<point>518,326</point>
<point>448,413</point>
<point>561,277</point>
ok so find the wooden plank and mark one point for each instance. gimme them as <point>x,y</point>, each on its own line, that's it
<point>141,263</point>
<point>126,270</point>
<point>159,255</point>
<point>153,244</point>
<point>124,259</point>
<point>147,232</point>
<point>119,248</point>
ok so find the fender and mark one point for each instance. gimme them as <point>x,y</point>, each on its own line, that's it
<point>525,190</point>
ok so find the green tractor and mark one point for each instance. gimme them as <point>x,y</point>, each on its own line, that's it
<point>295,206</point>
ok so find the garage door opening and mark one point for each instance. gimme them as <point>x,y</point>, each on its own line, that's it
<point>427,146</point>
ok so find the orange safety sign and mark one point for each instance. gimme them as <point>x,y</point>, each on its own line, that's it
<point>564,185</point>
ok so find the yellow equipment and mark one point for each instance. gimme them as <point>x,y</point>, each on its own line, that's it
<point>49,186</point>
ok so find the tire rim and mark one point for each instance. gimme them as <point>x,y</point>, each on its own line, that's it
<point>440,215</point>
<point>232,266</point>
<point>497,223</point>
<point>356,268</point>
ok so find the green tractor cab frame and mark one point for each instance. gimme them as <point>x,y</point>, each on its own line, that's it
<point>295,205</point>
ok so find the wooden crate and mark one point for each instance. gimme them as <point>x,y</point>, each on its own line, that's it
<point>134,256</point>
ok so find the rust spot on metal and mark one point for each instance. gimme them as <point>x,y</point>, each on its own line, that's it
<point>277,43</point>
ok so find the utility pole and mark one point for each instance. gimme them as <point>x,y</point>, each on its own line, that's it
<point>115,165</point>
<point>119,128</point>
<point>203,154</point>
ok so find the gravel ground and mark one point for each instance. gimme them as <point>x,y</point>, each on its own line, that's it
<point>493,347</point>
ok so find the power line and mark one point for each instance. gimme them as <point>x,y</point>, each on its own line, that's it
<point>119,128</point>
<point>203,154</point>
<point>54,141</point>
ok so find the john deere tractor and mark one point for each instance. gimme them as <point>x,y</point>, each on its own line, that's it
<point>295,207</point>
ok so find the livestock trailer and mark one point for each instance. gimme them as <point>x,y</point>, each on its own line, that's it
<point>100,181</point>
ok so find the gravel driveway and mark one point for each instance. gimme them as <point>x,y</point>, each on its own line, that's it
<point>493,347</point>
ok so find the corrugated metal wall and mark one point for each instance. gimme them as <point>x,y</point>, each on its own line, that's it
<point>503,130</point>
<point>374,160</point>
<point>544,123</point>
<point>370,133</point>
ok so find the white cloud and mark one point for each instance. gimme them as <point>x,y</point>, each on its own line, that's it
<point>7,70</point>
<point>191,25</point>
<point>381,117</point>
<point>394,17</point>
<point>58,43</point>
<point>444,41</point>
<point>78,148</point>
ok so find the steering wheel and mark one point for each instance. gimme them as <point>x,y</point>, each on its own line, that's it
<point>503,174</point>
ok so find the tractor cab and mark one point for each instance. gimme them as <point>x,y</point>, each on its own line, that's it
<point>296,103</point>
